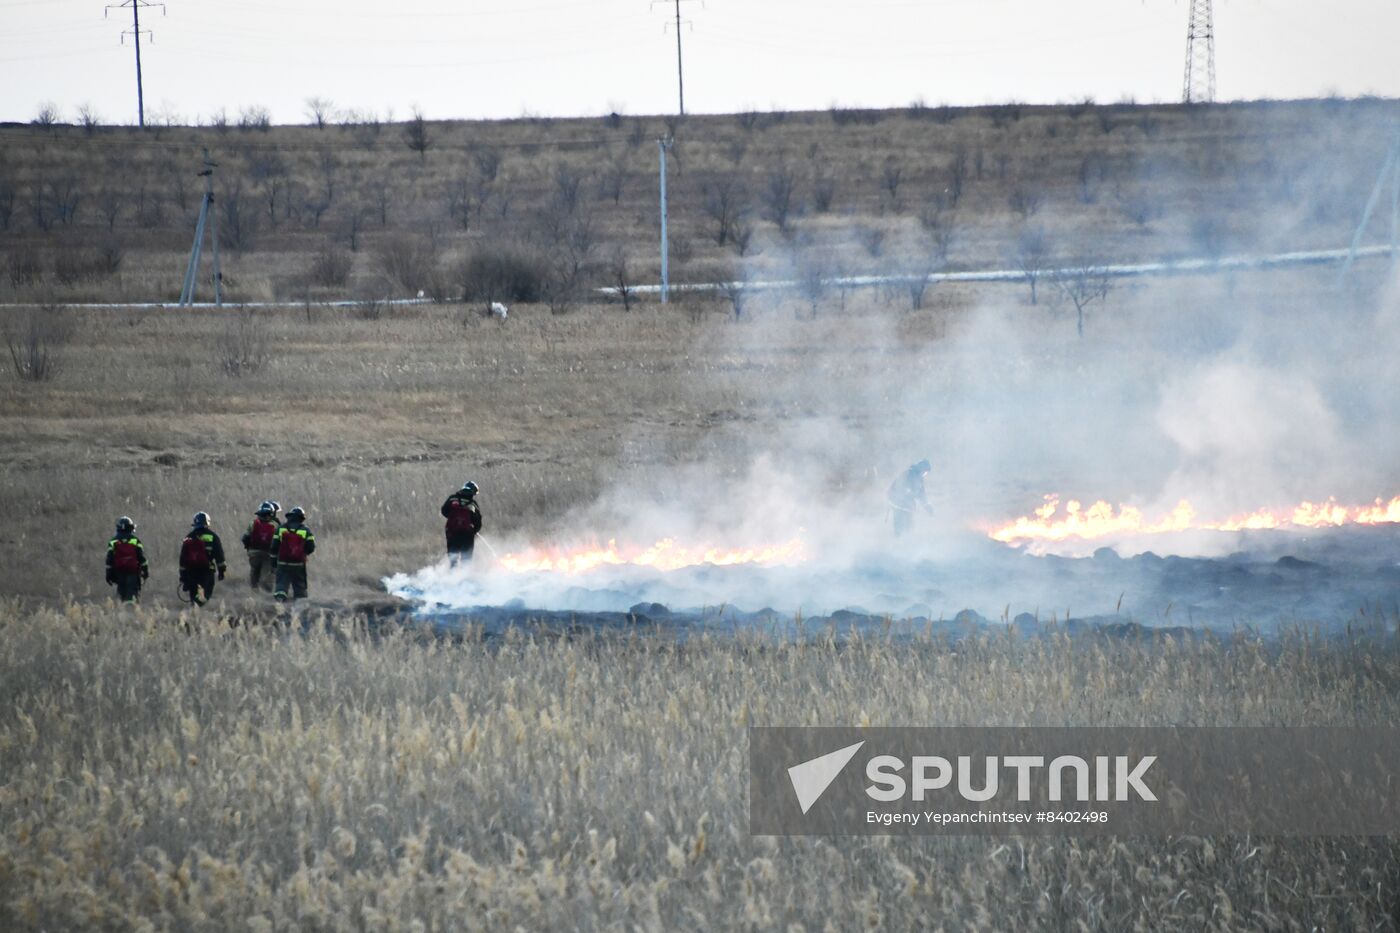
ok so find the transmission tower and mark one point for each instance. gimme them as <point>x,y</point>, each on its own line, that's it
<point>135,32</point>
<point>1199,84</point>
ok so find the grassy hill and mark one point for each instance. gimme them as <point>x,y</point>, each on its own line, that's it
<point>371,210</point>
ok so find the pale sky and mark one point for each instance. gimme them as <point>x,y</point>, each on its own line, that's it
<point>497,58</point>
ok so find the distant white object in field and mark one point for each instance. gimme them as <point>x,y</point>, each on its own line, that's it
<point>498,311</point>
<point>420,293</point>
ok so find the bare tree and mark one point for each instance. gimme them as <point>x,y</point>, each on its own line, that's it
<point>47,115</point>
<point>738,293</point>
<point>109,205</point>
<point>381,190</point>
<point>613,178</point>
<point>823,193</point>
<point>873,239</point>
<point>723,201</point>
<point>1033,257</point>
<point>7,203</point>
<point>812,273</point>
<point>320,110</point>
<point>891,175</point>
<point>237,224</point>
<point>777,195</point>
<point>415,134</point>
<point>64,197</point>
<point>621,275</point>
<point>957,176</point>
<point>1081,284</point>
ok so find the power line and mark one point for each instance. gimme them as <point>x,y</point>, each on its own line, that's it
<point>680,69</point>
<point>135,31</point>
<point>1198,87</point>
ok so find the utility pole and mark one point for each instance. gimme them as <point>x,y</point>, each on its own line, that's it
<point>135,32</point>
<point>661,145</point>
<point>680,69</point>
<point>1198,86</point>
<point>206,208</point>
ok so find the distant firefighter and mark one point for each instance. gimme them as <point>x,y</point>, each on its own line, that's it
<point>291,546</point>
<point>257,541</point>
<point>907,493</point>
<point>201,560</point>
<point>126,561</point>
<point>463,522</point>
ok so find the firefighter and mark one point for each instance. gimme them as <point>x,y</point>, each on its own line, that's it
<point>126,561</point>
<point>257,541</point>
<point>906,493</point>
<point>463,523</point>
<point>201,559</point>
<point>291,546</point>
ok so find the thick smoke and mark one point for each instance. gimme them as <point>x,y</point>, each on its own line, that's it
<point>1235,392</point>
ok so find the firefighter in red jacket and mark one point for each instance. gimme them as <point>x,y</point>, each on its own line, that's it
<point>291,546</point>
<point>126,561</point>
<point>201,559</point>
<point>463,523</point>
<point>257,541</point>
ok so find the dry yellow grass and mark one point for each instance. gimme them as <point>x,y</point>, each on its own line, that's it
<point>210,777</point>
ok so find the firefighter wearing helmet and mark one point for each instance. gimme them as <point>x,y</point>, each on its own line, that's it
<point>257,541</point>
<point>126,561</point>
<point>201,559</point>
<point>463,516</point>
<point>291,546</point>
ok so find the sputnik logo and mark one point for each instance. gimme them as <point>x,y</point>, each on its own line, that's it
<point>811,778</point>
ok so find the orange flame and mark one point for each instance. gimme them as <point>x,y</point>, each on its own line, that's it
<point>665,554</point>
<point>1101,520</point>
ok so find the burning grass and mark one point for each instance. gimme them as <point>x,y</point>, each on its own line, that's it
<point>186,776</point>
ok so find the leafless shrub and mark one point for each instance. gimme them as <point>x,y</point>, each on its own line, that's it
<point>330,267</point>
<point>406,261</point>
<point>823,193</point>
<point>1092,170</point>
<point>742,237</point>
<point>74,266</point>
<point>1209,233</point>
<point>26,267</point>
<point>813,270</point>
<point>255,118</point>
<point>747,119</point>
<point>1025,200</point>
<point>244,349</point>
<point>35,341</point>
<point>873,239</point>
<point>238,222</point>
<point>503,273</point>
<point>109,205</point>
<point>219,121</point>
<point>370,309</point>
<point>613,179</point>
<point>1139,207</point>
<point>89,118</point>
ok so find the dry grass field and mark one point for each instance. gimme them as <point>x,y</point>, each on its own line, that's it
<point>209,778</point>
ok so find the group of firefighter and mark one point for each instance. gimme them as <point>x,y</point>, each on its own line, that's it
<point>277,550</point>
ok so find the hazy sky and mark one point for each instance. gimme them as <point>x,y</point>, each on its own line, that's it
<point>497,58</point>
